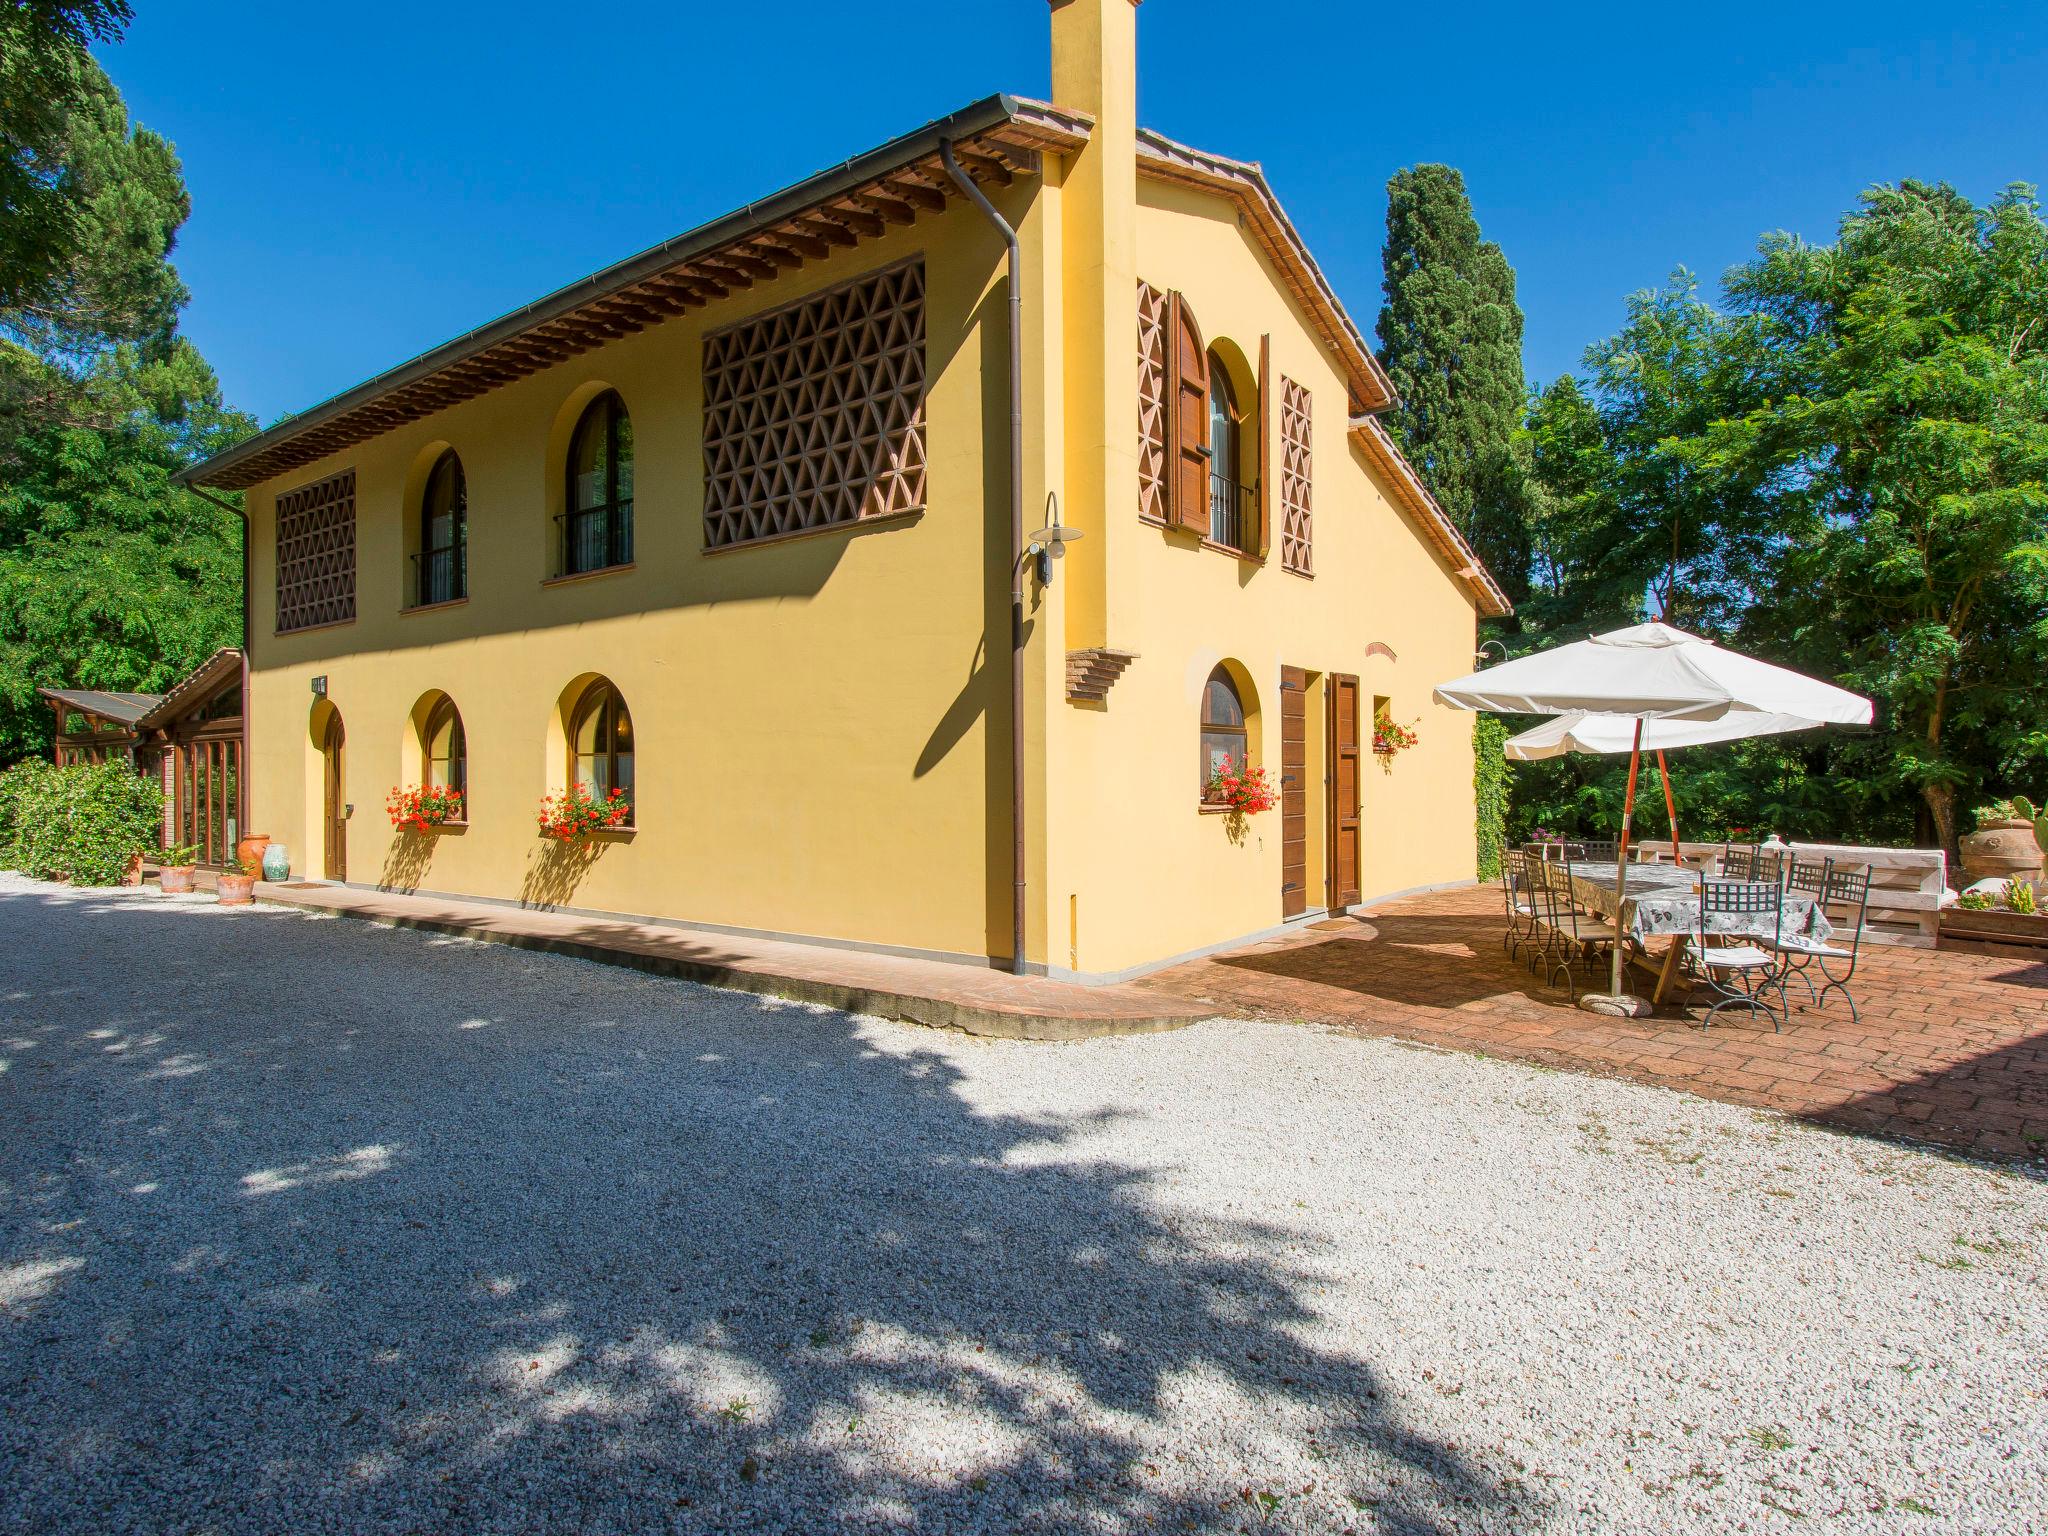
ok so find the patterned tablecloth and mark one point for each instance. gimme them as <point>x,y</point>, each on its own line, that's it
<point>1661,898</point>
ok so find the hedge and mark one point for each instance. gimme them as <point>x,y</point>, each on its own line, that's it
<point>81,823</point>
<point>1490,791</point>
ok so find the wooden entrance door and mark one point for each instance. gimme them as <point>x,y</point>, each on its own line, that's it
<point>334,751</point>
<point>1293,792</point>
<point>1344,761</point>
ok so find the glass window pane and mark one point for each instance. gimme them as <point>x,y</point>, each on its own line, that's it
<point>588,462</point>
<point>625,456</point>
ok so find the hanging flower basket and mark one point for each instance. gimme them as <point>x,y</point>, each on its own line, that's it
<point>423,809</point>
<point>1388,739</point>
<point>577,811</point>
<point>1243,791</point>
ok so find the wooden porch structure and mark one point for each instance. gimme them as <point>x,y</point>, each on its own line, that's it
<point>191,740</point>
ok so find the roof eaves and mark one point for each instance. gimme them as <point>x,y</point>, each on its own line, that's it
<point>1245,181</point>
<point>1436,523</point>
<point>980,117</point>
<point>210,673</point>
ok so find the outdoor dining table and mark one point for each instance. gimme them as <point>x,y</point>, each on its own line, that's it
<point>1664,899</point>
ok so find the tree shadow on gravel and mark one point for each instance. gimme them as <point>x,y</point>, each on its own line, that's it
<point>294,1239</point>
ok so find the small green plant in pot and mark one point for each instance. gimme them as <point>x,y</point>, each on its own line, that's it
<point>237,887</point>
<point>175,868</point>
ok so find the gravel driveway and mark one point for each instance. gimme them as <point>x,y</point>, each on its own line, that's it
<point>312,1226</point>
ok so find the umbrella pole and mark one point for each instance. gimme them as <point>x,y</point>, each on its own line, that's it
<point>1670,807</point>
<point>1628,810</point>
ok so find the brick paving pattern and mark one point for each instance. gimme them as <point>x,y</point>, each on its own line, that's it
<point>1951,1048</point>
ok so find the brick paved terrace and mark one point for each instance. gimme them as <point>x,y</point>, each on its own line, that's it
<point>1951,1048</point>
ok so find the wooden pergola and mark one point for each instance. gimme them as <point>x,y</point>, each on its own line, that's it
<point>191,740</point>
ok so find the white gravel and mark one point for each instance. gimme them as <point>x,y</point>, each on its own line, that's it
<point>310,1226</point>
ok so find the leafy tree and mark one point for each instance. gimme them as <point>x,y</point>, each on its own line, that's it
<point>110,575</point>
<point>1843,468</point>
<point>1451,340</point>
<point>43,73</point>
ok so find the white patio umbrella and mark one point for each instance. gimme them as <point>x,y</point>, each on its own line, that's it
<point>1611,734</point>
<point>1650,673</point>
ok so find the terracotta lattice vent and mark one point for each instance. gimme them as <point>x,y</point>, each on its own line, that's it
<point>814,414</point>
<point>1297,475</point>
<point>1152,307</point>
<point>316,553</point>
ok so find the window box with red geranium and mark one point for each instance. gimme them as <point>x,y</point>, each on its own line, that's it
<point>427,808</point>
<point>580,811</point>
<point>1239,789</point>
<point>1388,738</point>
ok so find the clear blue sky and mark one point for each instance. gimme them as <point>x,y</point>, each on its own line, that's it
<point>370,180</point>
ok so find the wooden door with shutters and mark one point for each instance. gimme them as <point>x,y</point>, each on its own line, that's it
<point>1344,788</point>
<point>335,849</point>
<point>1293,792</point>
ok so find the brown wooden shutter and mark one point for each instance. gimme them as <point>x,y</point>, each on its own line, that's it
<point>1188,446</point>
<point>1344,790</point>
<point>1264,407</point>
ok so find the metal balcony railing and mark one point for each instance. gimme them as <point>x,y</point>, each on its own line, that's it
<point>596,537</point>
<point>1233,514</point>
<point>440,575</point>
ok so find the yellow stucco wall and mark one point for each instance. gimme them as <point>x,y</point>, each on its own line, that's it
<point>1136,871</point>
<point>822,723</point>
<point>821,738</point>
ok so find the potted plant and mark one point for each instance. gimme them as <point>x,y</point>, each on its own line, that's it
<point>175,868</point>
<point>1389,738</point>
<point>577,811</point>
<point>237,887</point>
<point>424,808</point>
<point>2008,843</point>
<point>1239,791</point>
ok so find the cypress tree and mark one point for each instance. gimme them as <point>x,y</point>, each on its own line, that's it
<point>1451,339</point>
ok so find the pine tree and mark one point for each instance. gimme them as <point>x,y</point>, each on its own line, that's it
<point>1451,339</point>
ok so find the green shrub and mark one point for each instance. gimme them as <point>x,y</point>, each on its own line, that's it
<point>81,823</point>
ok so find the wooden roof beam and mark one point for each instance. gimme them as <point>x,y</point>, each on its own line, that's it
<point>859,220</point>
<point>830,233</point>
<point>808,246</point>
<point>895,211</point>
<point>916,194</point>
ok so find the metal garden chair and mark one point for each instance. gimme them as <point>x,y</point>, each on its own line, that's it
<point>1738,863</point>
<point>1748,965</point>
<point>1840,888</point>
<point>1589,943</point>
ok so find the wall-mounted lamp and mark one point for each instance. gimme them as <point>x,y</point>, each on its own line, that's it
<point>1050,542</point>
<point>1480,654</point>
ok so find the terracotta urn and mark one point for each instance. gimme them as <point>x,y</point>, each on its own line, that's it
<point>2001,850</point>
<point>236,890</point>
<point>249,851</point>
<point>175,879</point>
<point>133,874</point>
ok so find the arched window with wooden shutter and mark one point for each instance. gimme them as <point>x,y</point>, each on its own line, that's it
<point>1187,449</point>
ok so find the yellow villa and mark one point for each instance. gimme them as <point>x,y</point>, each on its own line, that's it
<point>748,533</point>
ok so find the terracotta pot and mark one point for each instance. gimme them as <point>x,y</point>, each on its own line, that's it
<point>175,879</point>
<point>133,876</point>
<point>2000,850</point>
<point>249,851</point>
<point>236,890</point>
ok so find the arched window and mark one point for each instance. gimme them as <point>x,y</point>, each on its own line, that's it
<point>1229,498</point>
<point>444,749</point>
<point>597,515</point>
<point>443,558</point>
<point>601,742</point>
<point>1223,731</point>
